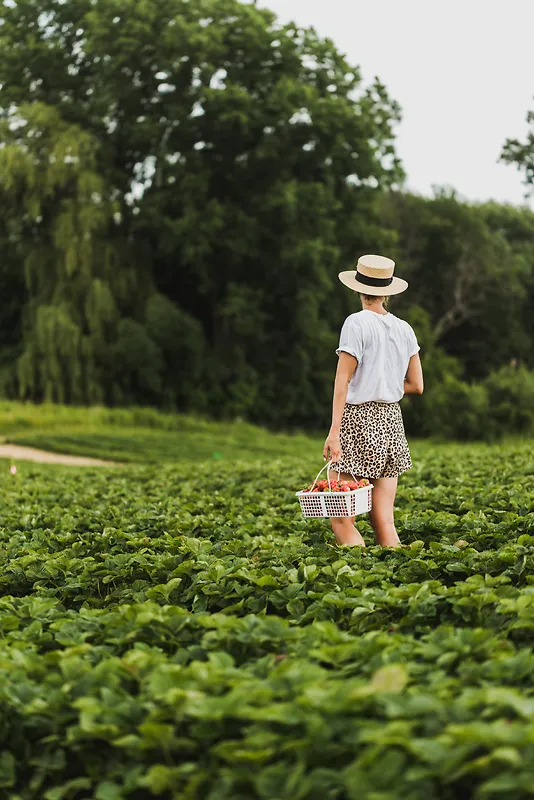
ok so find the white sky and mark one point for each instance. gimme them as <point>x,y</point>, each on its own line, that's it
<point>462,71</point>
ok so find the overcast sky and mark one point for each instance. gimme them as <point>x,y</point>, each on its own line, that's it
<point>462,71</point>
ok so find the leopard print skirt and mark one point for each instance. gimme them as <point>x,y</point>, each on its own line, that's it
<point>373,441</point>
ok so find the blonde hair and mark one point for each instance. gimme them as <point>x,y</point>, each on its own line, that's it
<point>372,298</point>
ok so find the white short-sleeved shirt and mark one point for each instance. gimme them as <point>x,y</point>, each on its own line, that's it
<point>383,345</point>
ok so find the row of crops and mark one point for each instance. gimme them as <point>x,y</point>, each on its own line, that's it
<point>182,632</point>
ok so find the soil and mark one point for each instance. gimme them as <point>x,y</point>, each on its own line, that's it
<point>21,453</point>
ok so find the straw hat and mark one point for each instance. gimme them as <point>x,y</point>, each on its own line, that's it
<point>374,275</point>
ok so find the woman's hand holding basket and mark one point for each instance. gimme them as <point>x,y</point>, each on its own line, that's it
<point>332,447</point>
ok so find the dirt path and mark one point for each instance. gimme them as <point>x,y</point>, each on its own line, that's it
<point>17,451</point>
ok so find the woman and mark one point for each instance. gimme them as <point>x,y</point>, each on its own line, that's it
<point>378,364</point>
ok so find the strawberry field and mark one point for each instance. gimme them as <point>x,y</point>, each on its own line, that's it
<point>180,631</point>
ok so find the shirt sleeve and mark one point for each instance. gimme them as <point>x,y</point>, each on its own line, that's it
<point>413,344</point>
<point>351,339</point>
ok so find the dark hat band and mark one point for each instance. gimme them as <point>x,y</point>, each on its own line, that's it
<point>373,281</point>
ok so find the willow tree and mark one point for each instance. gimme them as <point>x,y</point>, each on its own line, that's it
<point>50,185</point>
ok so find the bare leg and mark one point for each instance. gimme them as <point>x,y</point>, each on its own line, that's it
<point>343,527</point>
<point>345,532</point>
<point>381,514</point>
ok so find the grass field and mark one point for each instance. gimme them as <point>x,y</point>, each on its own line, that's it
<point>143,435</point>
<point>178,630</point>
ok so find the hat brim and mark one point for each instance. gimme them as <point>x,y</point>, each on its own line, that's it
<point>396,286</point>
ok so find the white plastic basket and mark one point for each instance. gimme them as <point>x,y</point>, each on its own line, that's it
<point>335,504</point>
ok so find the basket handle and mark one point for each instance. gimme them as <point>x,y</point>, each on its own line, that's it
<point>328,475</point>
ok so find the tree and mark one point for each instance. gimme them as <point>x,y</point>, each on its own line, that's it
<point>464,271</point>
<point>516,226</point>
<point>14,297</point>
<point>64,214</point>
<point>522,153</point>
<point>242,157</point>
<point>50,185</point>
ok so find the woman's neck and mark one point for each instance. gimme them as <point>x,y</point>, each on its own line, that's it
<point>378,308</point>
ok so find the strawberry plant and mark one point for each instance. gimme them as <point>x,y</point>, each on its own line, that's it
<point>178,632</point>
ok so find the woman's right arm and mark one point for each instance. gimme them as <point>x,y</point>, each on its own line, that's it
<point>345,370</point>
<point>413,382</point>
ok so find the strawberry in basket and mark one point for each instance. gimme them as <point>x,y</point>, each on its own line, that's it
<point>337,486</point>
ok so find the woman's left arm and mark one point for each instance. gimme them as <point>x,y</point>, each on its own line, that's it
<point>413,382</point>
<point>345,370</point>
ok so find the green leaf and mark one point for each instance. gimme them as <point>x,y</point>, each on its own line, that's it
<point>7,769</point>
<point>68,789</point>
<point>392,678</point>
<point>108,790</point>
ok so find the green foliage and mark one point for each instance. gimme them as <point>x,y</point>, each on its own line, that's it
<point>253,149</point>
<point>439,370</point>
<point>137,362</point>
<point>521,154</point>
<point>54,159</point>
<point>511,396</point>
<point>470,266</point>
<point>180,339</point>
<point>450,407</point>
<point>71,323</point>
<point>459,410</point>
<point>471,276</point>
<point>177,632</point>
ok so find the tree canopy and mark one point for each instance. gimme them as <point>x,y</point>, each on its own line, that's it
<point>232,165</point>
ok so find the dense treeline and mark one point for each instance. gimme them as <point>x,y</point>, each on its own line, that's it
<point>181,183</point>
<point>471,295</point>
